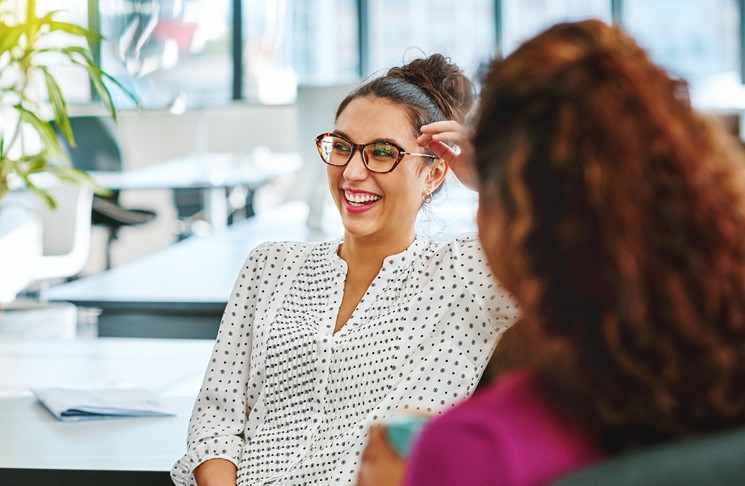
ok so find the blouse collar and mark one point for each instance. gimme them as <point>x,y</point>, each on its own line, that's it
<point>391,263</point>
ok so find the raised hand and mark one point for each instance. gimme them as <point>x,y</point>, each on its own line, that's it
<point>436,136</point>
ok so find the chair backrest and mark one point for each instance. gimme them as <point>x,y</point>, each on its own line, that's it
<point>713,460</point>
<point>66,233</point>
<point>316,110</point>
<point>97,145</point>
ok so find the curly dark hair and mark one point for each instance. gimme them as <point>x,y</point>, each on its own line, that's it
<point>626,213</point>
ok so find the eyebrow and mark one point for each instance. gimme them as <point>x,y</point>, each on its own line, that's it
<point>384,140</point>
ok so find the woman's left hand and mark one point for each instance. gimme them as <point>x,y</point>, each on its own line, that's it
<point>381,464</point>
<point>435,137</point>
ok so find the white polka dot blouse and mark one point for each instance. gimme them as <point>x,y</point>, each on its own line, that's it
<point>289,402</point>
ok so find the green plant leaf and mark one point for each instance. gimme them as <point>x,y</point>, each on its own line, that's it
<point>30,9</point>
<point>44,195</point>
<point>33,25</point>
<point>43,128</point>
<point>39,192</point>
<point>21,42</point>
<point>10,36</point>
<point>83,52</point>
<point>59,106</point>
<point>74,30</point>
<point>46,19</point>
<point>70,52</point>
<point>96,75</point>
<point>33,30</point>
<point>31,19</point>
<point>124,90</point>
<point>82,178</point>
<point>32,164</point>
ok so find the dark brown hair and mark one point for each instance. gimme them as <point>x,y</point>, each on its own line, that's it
<point>626,215</point>
<point>430,89</point>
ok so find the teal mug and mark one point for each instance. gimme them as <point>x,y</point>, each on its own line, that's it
<point>403,430</point>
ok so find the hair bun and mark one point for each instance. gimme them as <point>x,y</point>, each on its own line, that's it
<point>442,80</point>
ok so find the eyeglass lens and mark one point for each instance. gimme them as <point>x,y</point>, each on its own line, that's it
<point>378,156</point>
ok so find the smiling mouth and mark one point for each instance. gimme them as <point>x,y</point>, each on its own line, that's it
<point>360,199</point>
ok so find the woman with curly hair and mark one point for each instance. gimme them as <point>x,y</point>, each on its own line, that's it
<point>615,214</point>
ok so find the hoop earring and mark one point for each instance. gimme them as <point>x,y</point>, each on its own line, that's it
<point>427,198</point>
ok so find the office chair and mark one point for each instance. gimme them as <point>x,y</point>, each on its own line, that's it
<point>713,460</point>
<point>66,233</point>
<point>190,210</point>
<point>97,148</point>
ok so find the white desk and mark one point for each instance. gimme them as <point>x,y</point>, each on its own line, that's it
<point>193,274</point>
<point>185,286</point>
<point>211,172</point>
<point>36,445</point>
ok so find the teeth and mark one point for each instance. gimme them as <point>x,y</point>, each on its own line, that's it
<point>360,198</point>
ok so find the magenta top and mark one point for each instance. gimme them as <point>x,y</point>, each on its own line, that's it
<point>504,435</point>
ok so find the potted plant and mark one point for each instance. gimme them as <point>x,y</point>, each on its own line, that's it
<point>33,110</point>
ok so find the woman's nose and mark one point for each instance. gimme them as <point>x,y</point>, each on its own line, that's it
<point>355,169</point>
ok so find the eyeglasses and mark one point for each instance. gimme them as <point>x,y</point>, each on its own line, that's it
<point>380,157</point>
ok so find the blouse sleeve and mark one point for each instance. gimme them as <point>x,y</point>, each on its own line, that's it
<point>471,267</point>
<point>219,416</point>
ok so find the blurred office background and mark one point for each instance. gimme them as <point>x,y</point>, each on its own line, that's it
<point>255,80</point>
<point>233,75</point>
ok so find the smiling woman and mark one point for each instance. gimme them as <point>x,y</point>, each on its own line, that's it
<point>321,340</point>
<point>375,203</point>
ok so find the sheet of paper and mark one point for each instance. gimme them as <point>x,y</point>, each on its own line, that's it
<point>69,404</point>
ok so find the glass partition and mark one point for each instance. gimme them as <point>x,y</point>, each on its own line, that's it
<point>178,53</point>
<point>287,43</point>
<point>400,30</point>
<point>699,43</point>
<point>522,19</point>
<point>171,53</point>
